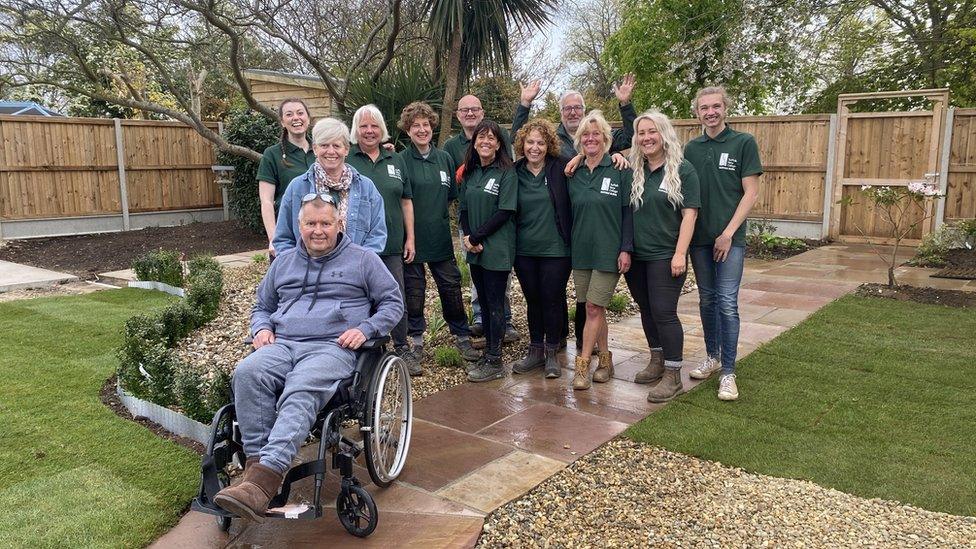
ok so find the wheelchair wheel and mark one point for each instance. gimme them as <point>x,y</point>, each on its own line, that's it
<point>388,421</point>
<point>223,444</point>
<point>357,511</point>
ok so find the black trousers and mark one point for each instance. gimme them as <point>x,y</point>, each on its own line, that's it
<point>656,293</point>
<point>491,291</point>
<point>447,277</point>
<point>543,281</point>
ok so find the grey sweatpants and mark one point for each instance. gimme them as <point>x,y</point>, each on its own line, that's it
<point>278,391</point>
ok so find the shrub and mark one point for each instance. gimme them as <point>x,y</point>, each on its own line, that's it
<point>572,313</point>
<point>465,270</point>
<point>257,132</point>
<point>435,325</point>
<point>203,296</point>
<point>448,357</point>
<point>762,242</point>
<point>160,266</point>
<point>189,389</point>
<point>618,304</point>
<point>218,391</point>
<point>932,251</point>
<point>179,319</point>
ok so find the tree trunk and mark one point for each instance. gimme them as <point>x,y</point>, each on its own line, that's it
<point>451,76</point>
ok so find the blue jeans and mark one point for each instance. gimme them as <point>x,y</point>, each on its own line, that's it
<point>718,301</point>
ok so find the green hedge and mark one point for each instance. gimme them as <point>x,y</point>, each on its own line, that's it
<point>257,132</point>
<point>160,266</point>
<point>148,367</point>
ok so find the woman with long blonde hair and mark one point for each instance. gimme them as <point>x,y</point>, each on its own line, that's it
<point>665,199</point>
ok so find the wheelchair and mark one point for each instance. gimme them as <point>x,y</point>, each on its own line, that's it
<point>377,398</point>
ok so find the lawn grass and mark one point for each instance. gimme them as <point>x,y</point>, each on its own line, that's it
<point>72,473</point>
<point>869,396</point>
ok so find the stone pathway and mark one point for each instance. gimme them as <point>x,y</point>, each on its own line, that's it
<point>476,447</point>
<point>14,276</point>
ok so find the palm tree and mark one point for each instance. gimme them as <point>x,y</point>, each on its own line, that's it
<point>473,34</point>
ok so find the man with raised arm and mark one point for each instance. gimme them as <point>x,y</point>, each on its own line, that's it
<point>317,304</point>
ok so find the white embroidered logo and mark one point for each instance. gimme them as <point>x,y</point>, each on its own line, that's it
<point>726,162</point>
<point>444,179</point>
<point>492,187</point>
<point>608,187</point>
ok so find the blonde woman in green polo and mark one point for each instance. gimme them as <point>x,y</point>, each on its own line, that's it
<point>602,239</point>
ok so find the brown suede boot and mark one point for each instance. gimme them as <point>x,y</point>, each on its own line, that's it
<point>249,499</point>
<point>654,370</point>
<point>251,461</point>
<point>604,371</point>
<point>668,388</point>
<point>581,381</point>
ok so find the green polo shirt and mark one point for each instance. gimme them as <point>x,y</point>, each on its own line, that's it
<point>484,192</point>
<point>536,232</point>
<point>721,164</point>
<point>387,175</point>
<point>431,182</point>
<point>457,146</point>
<point>598,198</point>
<point>657,223</point>
<point>280,171</point>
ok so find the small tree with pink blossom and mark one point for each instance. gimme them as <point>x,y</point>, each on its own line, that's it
<point>903,209</point>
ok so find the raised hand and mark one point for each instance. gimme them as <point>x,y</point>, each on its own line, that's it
<point>625,88</point>
<point>529,92</point>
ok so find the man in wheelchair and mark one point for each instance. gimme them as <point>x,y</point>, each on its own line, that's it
<point>318,303</point>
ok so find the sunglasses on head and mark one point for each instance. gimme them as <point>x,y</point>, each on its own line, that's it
<point>325,197</point>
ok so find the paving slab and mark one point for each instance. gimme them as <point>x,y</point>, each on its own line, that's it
<point>14,276</point>
<point>501,481</point>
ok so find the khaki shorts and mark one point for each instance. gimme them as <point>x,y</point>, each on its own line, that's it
<point>595,287</point>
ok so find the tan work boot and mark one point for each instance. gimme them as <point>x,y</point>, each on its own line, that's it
<point>604,371</point>
<point>249,499</point>
<point>654,370</point>
<point>668,388</point>
<point>581,381</point>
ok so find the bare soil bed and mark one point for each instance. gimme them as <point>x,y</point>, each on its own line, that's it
<point>90,254</point>
<point>932,296</point>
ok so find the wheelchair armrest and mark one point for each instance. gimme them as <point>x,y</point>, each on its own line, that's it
<point>375,343</point>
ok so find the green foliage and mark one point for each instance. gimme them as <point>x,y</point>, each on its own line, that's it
<point>618,304</point>
<point>148,367</point>
<point>762,242</point>
<point>405,81</point>
<point>572,313</point>
<point>435,324</point>
<point>935,245</point>
<point>160,266</point>
<point>448,357</point>
<point>259,258</point>
<point>464,268</point>
<point>498,94</point>
<point>218,391</point>
<point>257,132</point>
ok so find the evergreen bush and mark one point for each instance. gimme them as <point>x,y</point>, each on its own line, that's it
<point>257,132</point>
<point>159,266</point>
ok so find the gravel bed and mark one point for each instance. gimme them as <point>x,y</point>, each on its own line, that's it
<point>627,494</point>
<point>220,344</point>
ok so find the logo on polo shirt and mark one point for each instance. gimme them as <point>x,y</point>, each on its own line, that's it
<point>446,181</point>
<point>608,187</point>
<point>393,171</point>
<point>726,162</point>
<point>491,187</point>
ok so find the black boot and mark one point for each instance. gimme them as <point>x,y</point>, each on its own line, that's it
<point>552,363</point>
<point>536,358</point>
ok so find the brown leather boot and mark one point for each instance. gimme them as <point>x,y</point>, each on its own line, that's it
<point>249,499</point>
<point>251,461</point>
<point>604,371</point>
<point>668,388</point>
<point>654,370</point>
<point>581,381</point>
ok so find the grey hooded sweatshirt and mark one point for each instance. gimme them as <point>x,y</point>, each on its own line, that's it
<point>317,299</point>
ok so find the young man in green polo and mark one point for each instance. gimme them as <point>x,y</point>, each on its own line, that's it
<point>728,169</point>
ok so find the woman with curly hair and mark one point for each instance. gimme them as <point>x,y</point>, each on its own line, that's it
<point>542,257</point>
<point>665,199</point>
<point>429,172</point>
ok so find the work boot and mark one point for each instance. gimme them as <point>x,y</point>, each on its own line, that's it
<point>668,388</point>
<point>467,351</point>
<point>654,370</point>
<point>490,369</point>
<point>511,335</point>
<point>249,499</point>
<point>536,358</point>
<point>413,358</point>
<point>553,370</point>
<point>604,371</point>
<point>477,330</point>
<point>581,380</point>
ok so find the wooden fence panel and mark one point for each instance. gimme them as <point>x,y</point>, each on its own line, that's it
<point>888,146</point>
<point>68,167</point>
<point>961,188</point>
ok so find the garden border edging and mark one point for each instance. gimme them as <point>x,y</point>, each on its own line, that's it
<point>172,421</point>
<point>160,286</point>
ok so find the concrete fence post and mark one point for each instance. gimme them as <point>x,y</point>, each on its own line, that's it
<point>123,190</point>
<point>829,176</point>
<point>944,169</point>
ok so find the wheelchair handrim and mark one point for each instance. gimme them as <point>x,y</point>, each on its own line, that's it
<point>391,428</point>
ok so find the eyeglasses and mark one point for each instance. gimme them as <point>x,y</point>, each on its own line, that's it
<point>573,108</point>
<point>325,197</point>
<point>469,110</point>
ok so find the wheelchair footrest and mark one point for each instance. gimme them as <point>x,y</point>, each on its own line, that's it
<point>210,508</point>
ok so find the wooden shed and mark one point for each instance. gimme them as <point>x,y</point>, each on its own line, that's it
<point>270,87</point>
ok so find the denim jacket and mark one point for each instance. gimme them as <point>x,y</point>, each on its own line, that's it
<point>365,219</point>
